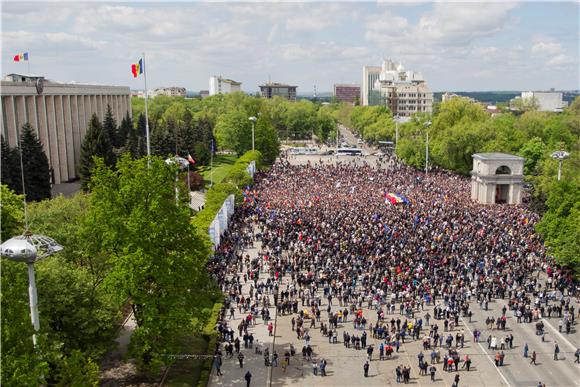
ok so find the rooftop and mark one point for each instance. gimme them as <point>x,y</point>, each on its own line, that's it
<point>276,84</point>
<point>496,156</point>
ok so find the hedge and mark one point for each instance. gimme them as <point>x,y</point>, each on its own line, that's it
<point>212,336</point>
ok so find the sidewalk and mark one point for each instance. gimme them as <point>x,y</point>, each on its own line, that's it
<point>233,375</point>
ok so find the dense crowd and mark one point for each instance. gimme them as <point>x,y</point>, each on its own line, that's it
<point>331,231</point>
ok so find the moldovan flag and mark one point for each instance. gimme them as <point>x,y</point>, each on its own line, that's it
<point>137,68</point>
<point>190,159</point>
<point>21,57</point>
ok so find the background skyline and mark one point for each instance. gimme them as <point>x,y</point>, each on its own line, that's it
<point>457,46</point>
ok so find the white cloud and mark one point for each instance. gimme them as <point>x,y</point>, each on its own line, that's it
<point>273,33</point>
<point>549,47</point>
<point>560,60</point>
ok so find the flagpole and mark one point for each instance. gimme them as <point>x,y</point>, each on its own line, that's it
<point>146,112</point>
<point>28,63</point>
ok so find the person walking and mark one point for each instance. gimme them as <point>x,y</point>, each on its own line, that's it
<point>456,381</point>
<point>217,362</point>
<point>248,378</point>
<point>577,354</point>
<point>366,369</point>
<point>241,359</point>
<point>526,350</point>
<point>432,370</point>
<point>556,351</point>
<point>533,361</point>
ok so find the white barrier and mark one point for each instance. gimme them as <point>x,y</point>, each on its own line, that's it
<point>251,169</point>
<point>219,225</point>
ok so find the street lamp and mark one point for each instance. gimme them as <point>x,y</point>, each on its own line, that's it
<point>30,248</point>
<point>253,119</point>
<point>181,165</point>
<point>396,130</point>
<point>427,124</point>
<point>560,156</point>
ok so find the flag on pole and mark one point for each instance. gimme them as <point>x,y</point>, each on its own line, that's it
<point>137,68</point>
<point>21,57</point>
<point>190,159</point>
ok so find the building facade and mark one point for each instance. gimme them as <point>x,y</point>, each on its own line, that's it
<point>270,90</point>
<point>170,91</point>
<point>497,178</point>
<point>347,93</point>
<point>546,101</point>
<point>370,76</point>
<point>404,92</point>
<point>59,114</point>
<point>221,85</point>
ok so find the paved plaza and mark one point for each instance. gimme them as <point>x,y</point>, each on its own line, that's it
<point>345,365</point>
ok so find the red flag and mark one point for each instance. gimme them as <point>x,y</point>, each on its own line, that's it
<point>190,159</point>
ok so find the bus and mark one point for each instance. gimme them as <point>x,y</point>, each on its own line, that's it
<point>349,152</point>
<point>303,151</point>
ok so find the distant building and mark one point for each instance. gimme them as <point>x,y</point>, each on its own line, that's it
<point>221,85</point>
<point>170,91</point>
<point>272,89</point>
<point>545,101</point>
<point>347,93</point>
<point>204,94</point>
<point>404,92</point>
<point>370,76</point>
<point>449,96</point>
<point>59,113</point>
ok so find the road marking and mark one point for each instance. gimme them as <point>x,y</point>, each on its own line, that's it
<point>564,339</point>
<point>486,354</point>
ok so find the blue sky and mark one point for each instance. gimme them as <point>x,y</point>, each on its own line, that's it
<point>457,46</point>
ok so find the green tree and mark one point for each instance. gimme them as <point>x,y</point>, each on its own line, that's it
<point>124,130</point>
<point>12,213</point>
<point>78,370</point>
<point>110,127</point>
<point>95,144</point>
<point>36,167</point>
<point>234,131</point>
<point>532,151</point>
<point>10,170</point>
<point>157,257</point>
<point>267,140</point>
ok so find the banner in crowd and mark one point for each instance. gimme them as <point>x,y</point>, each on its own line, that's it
<point>395,199</point>
<point>251,169</point>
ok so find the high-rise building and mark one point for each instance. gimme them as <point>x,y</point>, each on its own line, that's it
<point>404,92</point>
<point>370,76</point>
<point>221,85</point>
<point>59,113</point>
<point>272,89</point>
<point>347,93</point>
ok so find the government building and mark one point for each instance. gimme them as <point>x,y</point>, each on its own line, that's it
<point>59,113</point>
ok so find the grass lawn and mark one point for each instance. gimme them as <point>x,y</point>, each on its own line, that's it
<point>221,167</point>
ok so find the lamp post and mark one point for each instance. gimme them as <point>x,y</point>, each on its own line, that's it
<point>253,119</point>
<point>181,164</point>
<point>427,124</point>
<point>396,131</point>
<point>30,248</point>
<point>560,156</point>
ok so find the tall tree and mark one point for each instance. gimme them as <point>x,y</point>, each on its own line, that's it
<point>36,167</point>
<point>95,144</point>
<point>10,167</point>
<point>124,130</point>
<point>110,127</point>
<point>133,214</point>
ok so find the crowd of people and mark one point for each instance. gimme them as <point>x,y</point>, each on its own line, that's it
<point>329,229</point>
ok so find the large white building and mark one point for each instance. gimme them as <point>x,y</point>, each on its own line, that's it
<point>221,85</point>
<point>547,101</point>
<point>59,114</point>
<point>370,76</point>
<point>403,91</point>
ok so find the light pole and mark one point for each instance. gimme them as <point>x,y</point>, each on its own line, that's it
<point>427,124</point>
<point>181,164</point>
<point>30,248</point>
<point>396,131</point>
<point>560,156</point>
<point>253,119</point>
